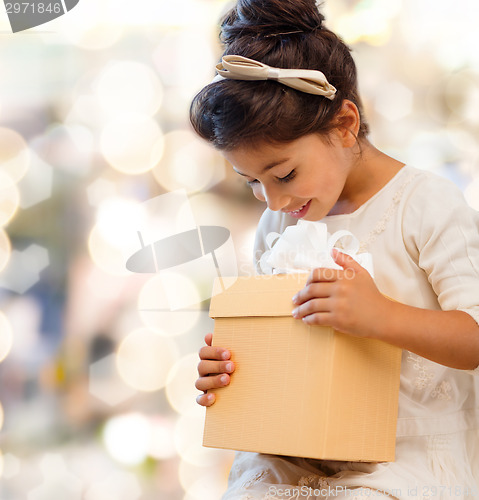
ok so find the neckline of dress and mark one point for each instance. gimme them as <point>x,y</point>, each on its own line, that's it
<point>368,202</point>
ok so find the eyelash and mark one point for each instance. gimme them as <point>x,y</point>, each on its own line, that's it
<point>286,178</point>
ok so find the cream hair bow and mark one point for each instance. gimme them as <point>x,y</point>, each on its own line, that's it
<point>306,80</point>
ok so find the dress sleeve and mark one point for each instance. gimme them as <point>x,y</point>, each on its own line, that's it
<point>445,240</point>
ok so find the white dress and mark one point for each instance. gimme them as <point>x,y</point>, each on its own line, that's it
<point>424,240</point>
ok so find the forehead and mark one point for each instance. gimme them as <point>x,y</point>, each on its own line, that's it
<point>256,160</point>
<point>263,150</point>
<point>262,154</point>
<point>259,149</point>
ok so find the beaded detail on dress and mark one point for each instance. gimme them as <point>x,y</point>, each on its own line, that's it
<point>387,215</point>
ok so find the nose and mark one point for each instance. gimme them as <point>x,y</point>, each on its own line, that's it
<point>275,198</point>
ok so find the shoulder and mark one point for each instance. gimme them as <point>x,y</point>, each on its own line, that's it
<point>425,187</point>
<point>431,203</point>
<point>429,196</point>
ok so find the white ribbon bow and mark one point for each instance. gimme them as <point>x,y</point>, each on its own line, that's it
<point>308,245</point>
<point>306,80</point>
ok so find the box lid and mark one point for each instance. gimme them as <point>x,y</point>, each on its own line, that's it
<point>262,295</point>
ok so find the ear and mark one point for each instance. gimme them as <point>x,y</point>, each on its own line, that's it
<point>347,123</point>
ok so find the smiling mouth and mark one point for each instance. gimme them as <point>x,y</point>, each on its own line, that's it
<point>297,211</point>
<point>301,212</point>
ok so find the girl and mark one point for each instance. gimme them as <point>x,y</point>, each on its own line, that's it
<point>286,113</point>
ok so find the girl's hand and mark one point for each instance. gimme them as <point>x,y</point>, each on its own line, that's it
<point>213,370</point>
<point>346,299</point>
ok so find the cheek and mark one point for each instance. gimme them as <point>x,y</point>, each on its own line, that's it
<point>327,184</point>
<point>258,192</point>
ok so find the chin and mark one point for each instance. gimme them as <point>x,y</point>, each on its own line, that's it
<point>311,218</point>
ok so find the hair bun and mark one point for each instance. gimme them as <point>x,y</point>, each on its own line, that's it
<point>269,18</point>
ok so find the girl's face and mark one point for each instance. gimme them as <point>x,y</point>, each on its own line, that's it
<point>305,178</point>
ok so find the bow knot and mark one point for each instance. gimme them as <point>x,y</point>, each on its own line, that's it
<point>308,245</point>
<point>310,81</point>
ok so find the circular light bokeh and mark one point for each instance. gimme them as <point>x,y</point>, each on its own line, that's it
<point>188,440</point>
<point>6,336</point>
<point>118,220</point>
<point>9,198</point>
<point>132,143</point>
<point>129,86</point>
<point>5,249</point>
<point>118,485</point>
<point>14,154</point>
<point>212,480</point>
<point>89,26</point>
<point>155,313</point>
<point>144,359</point>
<point>188,163</point>
<point>180,387</point>
<point>162,443</point>
<point>105,255</point>
<point>127,438</point>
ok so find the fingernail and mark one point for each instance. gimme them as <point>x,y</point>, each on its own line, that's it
<point>225,355</point>
<point>229,367</point>
<point>224,379</point>
<point>295,299</point>
<point>295,313</point>
<point>210,397</point>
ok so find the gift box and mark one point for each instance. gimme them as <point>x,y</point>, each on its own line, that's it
<point>298,390</point>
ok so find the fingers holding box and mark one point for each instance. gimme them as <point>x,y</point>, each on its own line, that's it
<point>213,370</point>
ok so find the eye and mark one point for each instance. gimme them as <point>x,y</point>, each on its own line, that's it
<point>288,177</point>
<point>251,183</point>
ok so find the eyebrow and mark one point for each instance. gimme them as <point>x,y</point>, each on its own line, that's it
<point>267,167</point>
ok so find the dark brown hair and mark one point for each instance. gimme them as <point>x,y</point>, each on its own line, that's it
<point>285,34</point>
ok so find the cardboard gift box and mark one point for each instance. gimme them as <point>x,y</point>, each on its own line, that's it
<point>299,390</point>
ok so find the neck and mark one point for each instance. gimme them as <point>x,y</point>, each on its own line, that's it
<point>370,171</point>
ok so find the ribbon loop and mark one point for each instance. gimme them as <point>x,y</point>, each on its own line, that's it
<point>271,238</point>
<point>306,246</point>
<point>309,81</point>
<point>351,249</point>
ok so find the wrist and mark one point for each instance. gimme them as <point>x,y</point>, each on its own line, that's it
<point>383,324</point>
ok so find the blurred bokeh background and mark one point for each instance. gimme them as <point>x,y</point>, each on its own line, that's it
<point>97,397</point>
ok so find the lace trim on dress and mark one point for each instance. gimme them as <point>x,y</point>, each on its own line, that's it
<point>442,391</point>
<point>255,478</point>
<point>313,481</point>
<point>424,379</point>
<point>424,375</point>
<point>383,221</point>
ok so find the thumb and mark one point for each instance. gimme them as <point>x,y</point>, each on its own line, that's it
<point>345,260</point>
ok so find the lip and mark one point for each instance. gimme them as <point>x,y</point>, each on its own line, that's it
<point>301,212</point>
